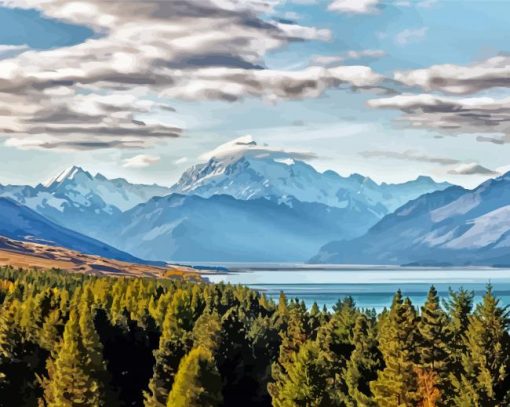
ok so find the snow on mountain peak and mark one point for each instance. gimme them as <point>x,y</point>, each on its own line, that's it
<point>67,174</point>
<point>246,170</point>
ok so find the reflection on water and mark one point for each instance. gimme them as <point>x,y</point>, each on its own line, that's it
<point>370,288</point>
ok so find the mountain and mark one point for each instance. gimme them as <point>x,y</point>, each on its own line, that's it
<point>245,170</point>
<point>21,223</point>
<point>222,228</point>
<point>451,227</point>
<point>259,203</point>
<point>80,201</point>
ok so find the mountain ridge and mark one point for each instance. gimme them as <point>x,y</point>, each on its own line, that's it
<point>456,226</point>
<point>21,223</point>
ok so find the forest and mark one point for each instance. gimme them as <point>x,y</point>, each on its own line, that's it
<point>80,340</point>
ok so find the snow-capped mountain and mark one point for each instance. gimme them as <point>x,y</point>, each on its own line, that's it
<point>245,170</point>
<point>246,202</point>
<point>21,223</point>
<point>455,226</point>
<point>117,192</point>
<point>78,200</point>
<point>222,228</point>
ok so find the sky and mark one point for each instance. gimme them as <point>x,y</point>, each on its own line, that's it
<point>143,89</point>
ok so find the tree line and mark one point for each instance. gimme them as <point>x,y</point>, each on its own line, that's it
<point>78,340</point>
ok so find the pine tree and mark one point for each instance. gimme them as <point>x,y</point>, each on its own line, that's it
<point>486,360</point>
<point>79,372</point>
<point>174,343</point>
<point>20,359</point>
<point>207,332</point>
<point>197,383</point>
<point>345,314</point>
<point>295,335</point>
<point>434,339</point>
<point>363,365</point>
<point>397,384</point>
<point>459,307</point>
<point>305,381</point>
<point>315,320</point>
<point>91,343</point>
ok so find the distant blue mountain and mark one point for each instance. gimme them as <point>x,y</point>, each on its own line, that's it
<point>451,227</point>
<point>280,208</point>
<point>21,223</point>
<point>79,200</point>
<point>222,228</point>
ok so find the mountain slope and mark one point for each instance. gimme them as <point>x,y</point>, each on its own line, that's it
<point>455,226</point>
<point>221,228</point>
<point>245,170</point>
<point>21,223</point>
<point>21,254</point>
<point>80,201</point>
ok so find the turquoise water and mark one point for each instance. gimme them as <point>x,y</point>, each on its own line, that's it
<point>370,288</point>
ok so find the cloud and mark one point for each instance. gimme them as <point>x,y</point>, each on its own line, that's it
<point>328,60</point>
<point>457,79</point>
<point>453,115</point>
<point>246,146</point>
<point>461,168</point>
<point>409,155</point>
<point>472,169</point>
<point>141,161</point>
<point>354,6</point>
<point>152,50</point>
<point>417,3</point>
<point>7,50</point>
<point>410,35</point>
<point>181,160</point>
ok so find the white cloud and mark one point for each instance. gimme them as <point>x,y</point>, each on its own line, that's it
<point>6,49</point>
<point>246,146</point>
<point>328,60</point>
<point>354,6</point>
<point>181,160</point>
<point>192,49</point>
<point>141,161</point>
<point>410,35</point>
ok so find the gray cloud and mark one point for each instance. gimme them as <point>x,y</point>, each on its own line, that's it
<point>457,79</point>
<point>472,169</point>
<point>188,49</point>
<point>409,155</point>
<point>461,167</point>
<point>453,115</point>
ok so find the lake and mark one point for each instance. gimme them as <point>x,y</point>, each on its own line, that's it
<point>370,287</point>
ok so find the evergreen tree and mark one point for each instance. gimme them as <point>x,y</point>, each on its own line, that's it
<point>363,365</point>
<point>20,359</point>
<point>397,384</point>
<point>434,339</point>
<point>459,307</point>
<point>207,332</point>
<point>78,377</point>
<point>295,335</point>
<point>486,360</point>
<point>305,381</point>
<point>197,383</point>
<point>174,343</point>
